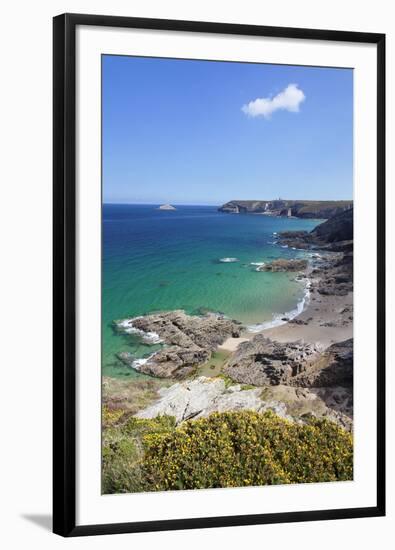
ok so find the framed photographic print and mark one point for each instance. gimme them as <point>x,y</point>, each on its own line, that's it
<point>218,274</point>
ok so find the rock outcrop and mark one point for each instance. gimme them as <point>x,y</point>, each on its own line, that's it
<point>263,362</point>
<point>334,237</point>
<point>337,229</point>
<point>188,341</point>
<point>334,403</point>
<point>199,398</point>
<point>282,264</point>
<point>333,275</point>
<point>202,396</point>
<point>333,368</point>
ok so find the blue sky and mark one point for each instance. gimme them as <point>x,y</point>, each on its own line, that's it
<point>204,132</point>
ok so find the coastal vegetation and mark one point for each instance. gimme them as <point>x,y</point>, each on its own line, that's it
<point>120,395</point>
<point>231,449</point>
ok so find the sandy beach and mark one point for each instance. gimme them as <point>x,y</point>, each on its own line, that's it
<point>327,322</point>
<point>326,319</point>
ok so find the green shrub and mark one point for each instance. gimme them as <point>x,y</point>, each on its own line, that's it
<point>122,453</point>
<point>232,449</point>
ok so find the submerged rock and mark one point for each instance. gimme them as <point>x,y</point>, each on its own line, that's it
<point>281,264</point>
<point>189,340</point>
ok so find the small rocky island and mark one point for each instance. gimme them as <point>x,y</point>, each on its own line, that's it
<point>166,207</point>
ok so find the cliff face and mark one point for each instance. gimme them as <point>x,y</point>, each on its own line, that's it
<point>337,228</point>
<point>336,233</point>
<point>298,208</point>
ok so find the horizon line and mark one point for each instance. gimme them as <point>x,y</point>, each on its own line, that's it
<point>222,203</point>
<point>160,203</point>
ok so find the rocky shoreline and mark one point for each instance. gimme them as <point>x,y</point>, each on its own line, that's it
<point>303,367</point>
<point>189,341</point>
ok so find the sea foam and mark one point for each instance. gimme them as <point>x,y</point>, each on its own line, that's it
<point>228,260</point>
<point>138,363</point>
<point>257,265</point>
<point>149,337</point>
<point>278,318</point>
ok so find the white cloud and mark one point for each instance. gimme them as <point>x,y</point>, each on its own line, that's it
<point>289,100</point>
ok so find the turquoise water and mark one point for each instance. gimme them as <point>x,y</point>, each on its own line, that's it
<point>159,260</point>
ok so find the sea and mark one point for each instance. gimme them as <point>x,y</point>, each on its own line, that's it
<point>193,258</point>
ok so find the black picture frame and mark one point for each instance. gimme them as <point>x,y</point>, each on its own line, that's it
<point>64,273</point>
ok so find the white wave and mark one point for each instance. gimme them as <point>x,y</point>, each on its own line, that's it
<point>278,318</point>
<point>138,363</point>
<point>149,337</point>
<point>228,260</point>
<point>275,233</point>
<point>257,265</point>
<point>284,245</point>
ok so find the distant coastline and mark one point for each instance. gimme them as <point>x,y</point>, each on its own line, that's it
<point>287,208</point>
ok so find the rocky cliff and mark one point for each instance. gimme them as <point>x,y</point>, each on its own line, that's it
<point>279,207</point>
<point>337,228</point>
<point>335,234</point>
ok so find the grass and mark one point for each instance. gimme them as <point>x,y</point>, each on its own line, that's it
<point>130,395</point>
